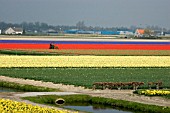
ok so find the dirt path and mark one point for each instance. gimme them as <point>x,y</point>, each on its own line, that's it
<point>115,94</point>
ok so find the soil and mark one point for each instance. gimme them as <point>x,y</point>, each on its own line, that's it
<point>115,94</point>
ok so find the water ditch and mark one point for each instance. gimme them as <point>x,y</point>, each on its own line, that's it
<point>94,109</point>
<point>86,108</point>
<point>4,89</point>
<point>89,107</point>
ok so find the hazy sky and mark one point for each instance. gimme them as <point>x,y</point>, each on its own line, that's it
<point>106,13</point>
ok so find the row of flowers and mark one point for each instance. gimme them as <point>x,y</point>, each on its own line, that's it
<point>96,52</point>
<point>85,61</point>
<point>155,92</point>
<point>76,46</point>
<point>9,106</point>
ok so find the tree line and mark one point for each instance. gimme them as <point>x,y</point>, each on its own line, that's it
<point>44,27</point>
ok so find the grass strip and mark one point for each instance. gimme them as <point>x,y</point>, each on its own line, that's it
<point>26,52</point>
<point>73,52</point>
<point>24,87</point>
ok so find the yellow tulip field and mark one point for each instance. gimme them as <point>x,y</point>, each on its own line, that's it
<point>155,92</point>
<point>9,106</point>
<point>84,61</point>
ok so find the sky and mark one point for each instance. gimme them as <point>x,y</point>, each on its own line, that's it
<point>102,13</point>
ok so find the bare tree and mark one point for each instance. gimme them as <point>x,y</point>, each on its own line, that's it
<point>80,25</point>
<point>148,32</point>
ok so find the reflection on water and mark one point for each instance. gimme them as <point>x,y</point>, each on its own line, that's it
<point>2,89</point>
<point>96,110</point>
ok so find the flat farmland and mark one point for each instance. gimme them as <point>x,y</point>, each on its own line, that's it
<point>83,61</point>
<point>86,76</point>
<point>84,43</point>
<point>75,52</point>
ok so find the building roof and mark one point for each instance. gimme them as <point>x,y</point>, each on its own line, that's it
<point>17,29</point>
<point>141,31</point>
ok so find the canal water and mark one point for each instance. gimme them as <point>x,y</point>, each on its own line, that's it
<point>3,89</point>
<point>86,108</point>
<point>91,109</point>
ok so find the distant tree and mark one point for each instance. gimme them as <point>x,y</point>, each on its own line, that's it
<point>24,32</point>
<point>37,24</point>
<point>148,32</point>
<point>41,27</point>
<point>44,26</point>
<point>31,26</point>
<point>24,25</point>
<point>80,25</point>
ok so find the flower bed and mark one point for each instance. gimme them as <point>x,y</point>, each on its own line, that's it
<point>88,44</point>
<point>85,61</point>
<point>9,106</point>
<point>154,92</point>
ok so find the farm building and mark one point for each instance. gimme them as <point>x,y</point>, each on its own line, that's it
<point>85,32</point>
<point>104,32</point>
<point>139,32</point>
<point>51,32</point>
<point>125,32</point>
<point>167,34</point>
<point>109,33</point>
<point>14,30</point>
<point>71,31</point>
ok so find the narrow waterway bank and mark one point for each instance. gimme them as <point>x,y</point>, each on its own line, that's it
<point>115,94</point>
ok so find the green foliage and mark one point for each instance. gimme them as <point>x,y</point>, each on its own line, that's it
<point>87,76</point>
<point>56,51</point>
<point>19,52</point>
<point>50,99</point>
<point>167,96</point>
<point>28,88</point>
